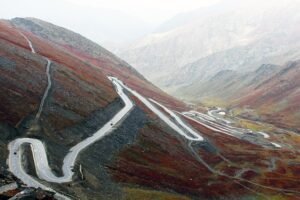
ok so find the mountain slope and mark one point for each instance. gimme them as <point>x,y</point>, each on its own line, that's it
<point>91,53</point>
<point>80,101</point>
<point>152,151</point>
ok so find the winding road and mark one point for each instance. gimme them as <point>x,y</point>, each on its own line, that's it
<point>47,73</point>
<point>180,130</point>
<point>14,162</point>
<point>43,170</point>
<point>195,135</point>
<point>220,125</point>
<point>40,156</point>
<point>218,114</point>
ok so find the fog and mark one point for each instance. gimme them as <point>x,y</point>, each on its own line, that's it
<point>110,23</point>
<point>113,23</point>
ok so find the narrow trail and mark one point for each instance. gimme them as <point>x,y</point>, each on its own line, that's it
<point>49,84</point>
<point>252,190</point>
<point>38,115</point>
<point>26,177</point>
<point>29,42</point>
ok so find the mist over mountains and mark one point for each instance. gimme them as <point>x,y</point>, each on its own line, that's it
<point>232,35</point>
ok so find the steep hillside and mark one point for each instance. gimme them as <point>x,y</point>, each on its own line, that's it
<point>232,35</point>
<point>78,121</point>
<point>74,95</point>
<point>90,52</point>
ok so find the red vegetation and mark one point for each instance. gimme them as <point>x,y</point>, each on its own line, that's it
<point>128,76</point>
<point>23,81</point>
<point>278,98</point>
<point>159,159</point>
<point>76,86</point>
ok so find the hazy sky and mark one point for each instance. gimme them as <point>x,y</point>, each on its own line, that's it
<point>148,10</point>
<point>111,23</point>
<point>153,11</point>
<point>108,22</point>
